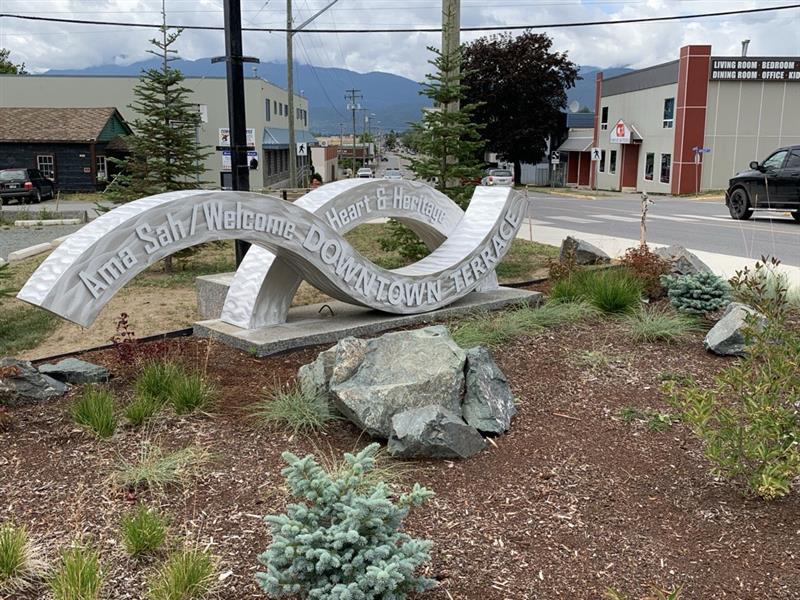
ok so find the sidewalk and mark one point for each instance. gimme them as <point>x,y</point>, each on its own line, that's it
<point>587,194</point>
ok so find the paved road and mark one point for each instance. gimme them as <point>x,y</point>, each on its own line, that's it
<point>53,206</point>
<point>16,238</point>
<point>700,225</point>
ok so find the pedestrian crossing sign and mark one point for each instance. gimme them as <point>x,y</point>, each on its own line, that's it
<point>302,149</point>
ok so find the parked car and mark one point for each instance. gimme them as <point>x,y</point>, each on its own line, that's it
<point>364,173</point>
<point>393,174</point>
<point>25,185</point>
<point>771,184</point>
<point>498,177</point>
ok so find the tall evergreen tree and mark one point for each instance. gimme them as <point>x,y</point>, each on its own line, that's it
<point>164,154</point>
<point>448,143</point>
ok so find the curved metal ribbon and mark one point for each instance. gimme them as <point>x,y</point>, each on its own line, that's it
<point>88,268</point>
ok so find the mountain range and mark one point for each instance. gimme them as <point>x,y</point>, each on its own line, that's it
<point>394,100</point>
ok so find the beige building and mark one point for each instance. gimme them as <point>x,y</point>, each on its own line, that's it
<point>266,105</point>
<point>691,124</point>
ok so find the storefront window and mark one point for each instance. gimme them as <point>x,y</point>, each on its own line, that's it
<point>669,113</point>
<point>612,167</point>
<point>649,166</point>
<point>604,118</point>
<point>666,165</point>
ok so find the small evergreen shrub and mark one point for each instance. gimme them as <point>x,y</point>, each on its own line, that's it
<point>19,562</point>
<point>341,541</point>
<point>399,238</point>
<point>143,531</point>
<point>188,574</point>
<point>659,325</point>
<point>696,294</point>
<point>609,290</point>
<point>648,268</point>
<point>78,575</point>
<point>191,392</point>
<point>94,409</point>
<point>293,408</point>
<point>748,419</point>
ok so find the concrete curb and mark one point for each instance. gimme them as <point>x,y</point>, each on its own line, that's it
<point>29,251</point>
<point>46,222</point>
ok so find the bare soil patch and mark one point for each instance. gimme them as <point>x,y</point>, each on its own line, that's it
<point>571,500</point>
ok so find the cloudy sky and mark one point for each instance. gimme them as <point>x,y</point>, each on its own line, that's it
<point>44,46</point>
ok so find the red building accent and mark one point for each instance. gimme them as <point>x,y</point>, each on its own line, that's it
<point>690,117</point>
<point>630,166</point>
<point>579,168</point>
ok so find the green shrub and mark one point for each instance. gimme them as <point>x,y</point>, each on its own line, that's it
<point>748,419</point>
<point>155,469</point>
<point>339,542</point>
<point>191,392</point>
<point>19,563</point>
<point>156,380</point>
<point>696,294</point>
<point>659,325</point>
<point>143,531</point>
<point>141,409</point>
<point>78,575</point>
<point>94,409</point>
<point>187,574</point>
<point>294,409</point>
<point>609,290</point>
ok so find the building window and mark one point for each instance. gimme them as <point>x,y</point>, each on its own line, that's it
<point>46,164</point>
<point>275,106</point>
<point>267,104</point>
<point>666,165</point>
<point>102,168</point>
<point>669,113</point>
<point>612,166</point>
<point>286,110</point>
<point>602,161</point>
<point>604,118</point>
<point>649,166</point>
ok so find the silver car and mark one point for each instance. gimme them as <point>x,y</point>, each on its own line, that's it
<point>364,173</point>
<point>392,174</point>
<point>498,177</point>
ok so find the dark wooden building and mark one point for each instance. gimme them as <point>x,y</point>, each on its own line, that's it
<point>72,146</point>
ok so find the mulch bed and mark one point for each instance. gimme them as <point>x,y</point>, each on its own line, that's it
<point>572,500</point>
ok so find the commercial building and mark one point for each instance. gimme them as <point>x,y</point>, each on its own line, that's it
<point>71,146</point>
<point>267,119</point>
<point>692,123</point>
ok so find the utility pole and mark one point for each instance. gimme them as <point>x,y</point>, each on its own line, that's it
<point>240,170</point>
<point>290,32</point>
<point>352,105</point>
<point>451,37</point>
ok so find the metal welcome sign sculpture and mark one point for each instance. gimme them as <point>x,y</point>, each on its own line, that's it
<point>292,242</point>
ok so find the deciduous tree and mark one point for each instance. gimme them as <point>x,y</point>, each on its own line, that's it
<point>522,86</point>
<point>9,68</point>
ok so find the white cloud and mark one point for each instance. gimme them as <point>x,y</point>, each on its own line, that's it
<point>48,45</point>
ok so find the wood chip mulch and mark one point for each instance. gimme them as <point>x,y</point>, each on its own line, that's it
<point>571,501</point>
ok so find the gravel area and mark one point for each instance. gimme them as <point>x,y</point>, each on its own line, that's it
<point>16,238</point>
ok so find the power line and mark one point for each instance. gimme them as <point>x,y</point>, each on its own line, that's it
<point>725,13</point>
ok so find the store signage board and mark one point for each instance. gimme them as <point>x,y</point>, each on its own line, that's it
<point>620,133</point>
<point>79,278</point>
<point>768,68</point>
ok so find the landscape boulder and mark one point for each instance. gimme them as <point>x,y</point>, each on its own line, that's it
<point>488,402</point>
<point>21,383</point>
<point>73,370</point>
<point>314,378</point>
<point>433,431</point>
<point>373,380</point>
<point>727,336</point>
<point>681,261</point>
<point>583,252</point>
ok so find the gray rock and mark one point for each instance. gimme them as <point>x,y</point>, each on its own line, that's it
<point>726,337</point>
<point>682,262</point>
<point>314,378</point>
<point>21,383</point>
<point>488,403</point>
<point>435,432</point>
<point>72,370</point>
<point>584,252</point>
<point>373,380</point>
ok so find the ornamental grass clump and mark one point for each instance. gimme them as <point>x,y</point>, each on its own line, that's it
<point>343,540</point>
<point>608,290</point>
<point>78,575</point>
<point>144,531</point>
<point>188,574</point>
<point>20,565</point>
<point>698,294</point>
<point>190,392</point>
<point>749,419</point>
<point>295,408</point>
<point>94,409</point>
<point>659,325</point>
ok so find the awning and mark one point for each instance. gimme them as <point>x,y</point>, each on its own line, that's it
<point>278,139</point>
<point>578,140</point>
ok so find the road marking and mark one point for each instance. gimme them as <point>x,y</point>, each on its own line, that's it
<point>574,220</point>
<point>535,222</point>
<point>707,218</point>
<point>666,218</point>
<point>617,218</point>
